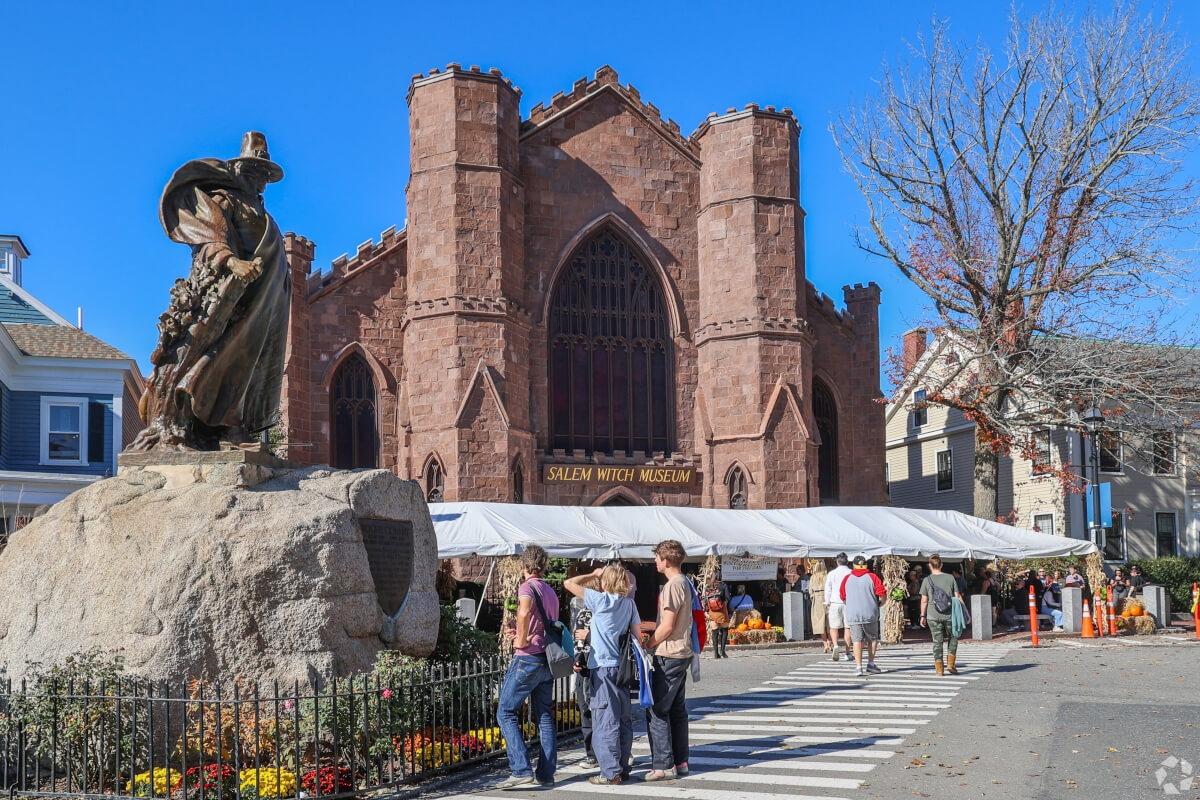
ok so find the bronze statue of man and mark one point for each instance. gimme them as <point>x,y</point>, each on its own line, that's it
<point>218,366</point>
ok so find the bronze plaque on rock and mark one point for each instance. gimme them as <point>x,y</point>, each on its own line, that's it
<point>389,545</point>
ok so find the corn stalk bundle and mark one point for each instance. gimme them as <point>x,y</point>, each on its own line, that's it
<point>893,569</point>
<point>508,578</point>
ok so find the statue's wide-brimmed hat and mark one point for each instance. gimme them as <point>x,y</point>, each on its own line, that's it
<point>254,150</point>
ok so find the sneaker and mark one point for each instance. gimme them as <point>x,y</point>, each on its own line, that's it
<point>681,770</point>
<point>659,775</point>
<point>600,780</point>
<point>874,670</point>
<point>847,657</point>
<point>587,762</point>
<point>1059,628</point>
<point>515,782</point>
<point>859,672</point>
<point>548,783</point>
<point>836,655</point>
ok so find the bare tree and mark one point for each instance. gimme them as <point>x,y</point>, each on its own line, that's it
<point>1031,194</point>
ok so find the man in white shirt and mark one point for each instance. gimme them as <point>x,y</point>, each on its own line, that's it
<point>836,607</point>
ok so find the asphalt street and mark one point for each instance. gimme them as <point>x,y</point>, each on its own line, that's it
<point>1116,719</point>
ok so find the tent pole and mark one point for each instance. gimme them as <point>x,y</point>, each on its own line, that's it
<point>483,594</point>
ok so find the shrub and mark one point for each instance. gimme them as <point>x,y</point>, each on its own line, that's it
<point>217,730</point>
<point>1174,573</point>
<point>65,721</point>
<point>459,641</point>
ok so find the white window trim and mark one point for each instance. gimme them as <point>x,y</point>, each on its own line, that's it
<point>924,409</point>
<point>937,453</point>
<point>1175,516</point>
<point>44,433</point>
<point>1050,514</point>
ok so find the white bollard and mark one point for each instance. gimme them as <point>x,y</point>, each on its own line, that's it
<point>981,617</point>
<point>1072,609</point>
<point>1158,604</point>
<point>466,609</point>
<point>793,616</point>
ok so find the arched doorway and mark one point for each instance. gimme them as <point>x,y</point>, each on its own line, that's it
<point>354,436</point>
<point>611,364</point>
<point>826,415</point>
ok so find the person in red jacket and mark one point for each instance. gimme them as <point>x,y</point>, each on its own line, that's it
<point>863,593</point>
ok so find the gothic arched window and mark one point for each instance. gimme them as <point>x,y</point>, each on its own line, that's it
<point>736,483</point>
<point>518,482</point>
<point>353,404</point>
<point>825,412</point>
<point>434,481</point>
<point>611,370</point>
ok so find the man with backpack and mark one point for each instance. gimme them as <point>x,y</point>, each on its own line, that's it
<point>529,676</point>
<point>938,591</point>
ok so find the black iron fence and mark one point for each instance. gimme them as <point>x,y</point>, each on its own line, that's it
<point>244,740</point>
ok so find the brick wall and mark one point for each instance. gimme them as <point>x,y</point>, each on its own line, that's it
<point>496,205</point>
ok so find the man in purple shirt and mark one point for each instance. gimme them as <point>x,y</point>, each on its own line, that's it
<point>529,676</point>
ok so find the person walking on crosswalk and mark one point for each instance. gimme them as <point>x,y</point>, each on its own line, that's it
<point>938,591</point>
<point>863,593</point>
<point>835,608</point>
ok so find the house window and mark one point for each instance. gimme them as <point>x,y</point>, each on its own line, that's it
<point>434,481</point>
<point>64,430</point>
<point>1042,454</point>
<point>1163,455</point>
<point>1044,523</point>
<point>920,414</point>
<point>1110,451</point>
<point>945,471</point>
<point>736,483</point>
<point>1164,530</point>
<point>611,370</point>
<point>1114,538</point>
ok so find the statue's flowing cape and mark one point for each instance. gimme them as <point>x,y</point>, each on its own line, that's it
<point>227,365</point>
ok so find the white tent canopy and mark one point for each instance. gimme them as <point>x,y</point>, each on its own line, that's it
<point>504,529</point>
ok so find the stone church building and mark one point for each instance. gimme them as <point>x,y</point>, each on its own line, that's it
<point>586,306</point>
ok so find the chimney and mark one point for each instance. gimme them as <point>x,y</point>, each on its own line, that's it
<point>914,347</point>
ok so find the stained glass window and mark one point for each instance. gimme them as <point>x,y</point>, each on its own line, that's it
<point>355,436</point>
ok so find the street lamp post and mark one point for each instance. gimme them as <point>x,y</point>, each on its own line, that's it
<point>1093,418</point>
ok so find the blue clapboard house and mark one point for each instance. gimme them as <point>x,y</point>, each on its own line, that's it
<point>68,401</point>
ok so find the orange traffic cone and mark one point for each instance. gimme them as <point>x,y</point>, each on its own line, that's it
<point>1089,630</point>
<point>1112,614</point>
<point>1098,616</point>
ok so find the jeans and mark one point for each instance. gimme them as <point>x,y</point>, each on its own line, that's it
<point>668,717</point>
<point>943,631</point>
<point>528,676</point>
<point>1056,615</point>
<point>720,641</point>
<point>612,722</point>
<point>583,699</point>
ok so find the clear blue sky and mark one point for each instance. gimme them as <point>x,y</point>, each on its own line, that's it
<point>103,101</point>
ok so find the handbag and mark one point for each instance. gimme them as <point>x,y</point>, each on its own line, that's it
<point>627,669</point>
<point>561,662</point>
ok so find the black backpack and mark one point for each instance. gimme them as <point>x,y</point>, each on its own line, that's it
<point>941,600</point>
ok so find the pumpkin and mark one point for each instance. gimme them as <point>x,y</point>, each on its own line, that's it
<point>743,627</point>
<point>1135,608</point>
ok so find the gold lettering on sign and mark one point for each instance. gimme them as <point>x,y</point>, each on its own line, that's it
<point>656,476</point>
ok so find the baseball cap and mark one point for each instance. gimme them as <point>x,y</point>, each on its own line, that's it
<point>860,559</point>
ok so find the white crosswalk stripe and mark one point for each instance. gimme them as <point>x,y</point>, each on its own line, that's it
<point>819,729</point>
